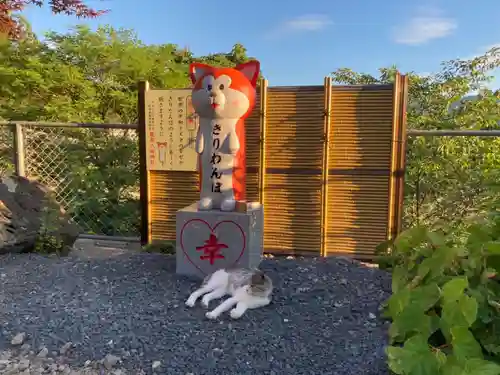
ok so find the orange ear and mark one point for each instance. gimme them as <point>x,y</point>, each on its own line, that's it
<point>250,70</point>
<point>197,70</point>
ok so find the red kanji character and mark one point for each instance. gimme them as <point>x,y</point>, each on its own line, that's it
<point>211,249</point>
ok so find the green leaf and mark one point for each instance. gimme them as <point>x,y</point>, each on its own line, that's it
<point>479,366</point>
<point>436,265</point>
<point>414,358</point>
<point>398,302</point>
<point>493,247</point>
<point>409,239</point>
<point>493,262</point>
<point>399,278</point>
<point>489,335</point>
<point>451,316</point>
<point>410,321</point>
<point>468,307</point>
<point>464,344</point>
<point>454,288</point>
<point>452,366</point>
<point>437,239</point>
<point>459,313</point>
<point>471,366</point>
<point>478,235</point>
<point>425,297</point>
<point>428,265</point>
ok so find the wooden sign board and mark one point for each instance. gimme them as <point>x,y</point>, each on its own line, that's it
<point>171,127</point>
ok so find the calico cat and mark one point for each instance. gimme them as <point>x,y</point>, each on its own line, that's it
<point>249,289</point>
<point>222,98</point>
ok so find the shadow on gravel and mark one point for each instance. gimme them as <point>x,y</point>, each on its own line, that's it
<point>321,320</point>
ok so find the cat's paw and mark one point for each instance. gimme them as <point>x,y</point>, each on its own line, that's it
<point>235,314</point>
<point>190,303</point>
<point>228,205</point>
<point>205,302</point>
<point>205,204</point>
<point>210,315</point>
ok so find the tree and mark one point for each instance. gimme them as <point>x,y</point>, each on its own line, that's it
<point>448,180</point>
<point>90,76</point>
<point>13,29</point>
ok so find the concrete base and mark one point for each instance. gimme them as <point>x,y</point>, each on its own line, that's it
<point>211,240</point>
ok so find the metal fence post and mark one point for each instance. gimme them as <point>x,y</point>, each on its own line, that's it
<point>19,150</point>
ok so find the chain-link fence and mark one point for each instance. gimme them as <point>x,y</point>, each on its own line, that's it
<point>6,150</point>
<point>451,176</point>
<point>94,172</point>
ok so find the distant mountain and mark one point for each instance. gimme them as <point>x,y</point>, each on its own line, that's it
<point>457,103</point>
<point>468,97</point>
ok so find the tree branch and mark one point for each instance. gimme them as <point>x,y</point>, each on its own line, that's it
<point>12,28</point>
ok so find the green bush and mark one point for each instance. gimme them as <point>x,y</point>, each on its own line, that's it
<point>445,306</point>
<point>46,243</point>
<point>55,235</point>
<point>163,247</point>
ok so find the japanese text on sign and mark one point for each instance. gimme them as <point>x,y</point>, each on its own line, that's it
<point>151,132</point>
<point>171,125</point>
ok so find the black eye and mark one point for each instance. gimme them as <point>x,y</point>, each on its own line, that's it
<point>209,87</point>
<point>221,87</point>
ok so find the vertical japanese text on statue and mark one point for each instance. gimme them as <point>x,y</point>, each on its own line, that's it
<point>151,131</point>
<point>215,160</point>
<point>171,129</point>
<point>181,123</point>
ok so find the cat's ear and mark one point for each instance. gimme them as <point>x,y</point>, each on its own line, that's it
<point>198,70</point>
<point>250,70</point>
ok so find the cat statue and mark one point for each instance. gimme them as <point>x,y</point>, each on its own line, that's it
<point>249,289</point>
<point>222,98</point>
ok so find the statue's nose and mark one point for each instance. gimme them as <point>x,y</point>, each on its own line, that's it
<point>212,94</point>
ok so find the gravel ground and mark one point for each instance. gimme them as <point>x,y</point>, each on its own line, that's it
<point>126,315</point>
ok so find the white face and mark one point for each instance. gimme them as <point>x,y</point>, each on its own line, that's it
<point>217,100</point>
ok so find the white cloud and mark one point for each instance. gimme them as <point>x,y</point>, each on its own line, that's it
<point>308,22</point>
<point>301,24</point>
<point>427,25</point>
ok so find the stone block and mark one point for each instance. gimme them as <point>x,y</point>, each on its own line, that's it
<point>211,240</point>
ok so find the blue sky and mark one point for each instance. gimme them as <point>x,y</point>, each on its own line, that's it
<point>299,42</point>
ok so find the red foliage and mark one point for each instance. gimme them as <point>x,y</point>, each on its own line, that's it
<point>13,30</point>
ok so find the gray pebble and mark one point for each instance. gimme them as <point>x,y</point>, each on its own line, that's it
<point>110,360</point>
<point>65,348</point>
<point>43,353</point>
<point>18,339</point>
<point>319,316</point>
<point>24,364</point>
